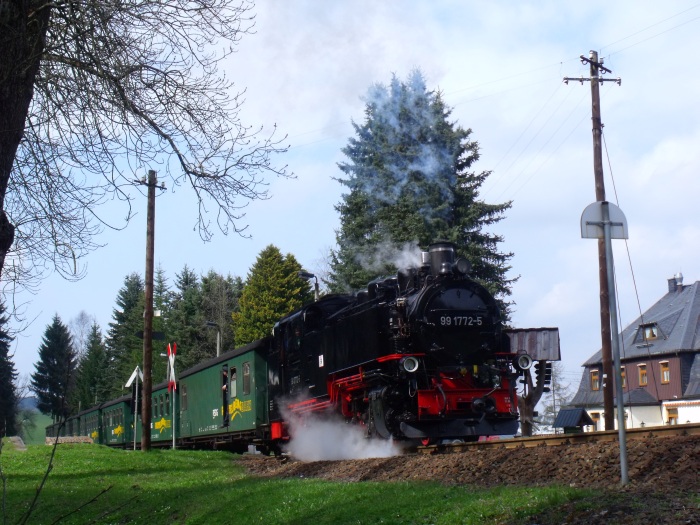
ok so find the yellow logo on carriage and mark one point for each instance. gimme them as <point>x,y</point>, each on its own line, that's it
<point>94,435</point>
<point>118,431</point>
<point>237,407</point>
<point>162,424</point>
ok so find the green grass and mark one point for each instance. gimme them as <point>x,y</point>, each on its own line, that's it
<point>164,487</point>
<point>36,434</point>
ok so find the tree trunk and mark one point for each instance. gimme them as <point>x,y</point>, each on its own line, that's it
<point>23,26</point>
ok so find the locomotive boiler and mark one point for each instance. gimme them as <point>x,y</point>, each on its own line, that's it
<point>422,355</point>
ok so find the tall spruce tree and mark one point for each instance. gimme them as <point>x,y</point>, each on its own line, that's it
<point>124,347</point>
<point>220,297</point>
<point>53,381</point>
<point>91,385</point>
<point>409,181</point>
<point>8,376</point>
<point>272,289</point>
<point>186,321</point>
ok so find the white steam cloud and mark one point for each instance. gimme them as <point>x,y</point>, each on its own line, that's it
<point>387,254</point>
<point>316,439</point>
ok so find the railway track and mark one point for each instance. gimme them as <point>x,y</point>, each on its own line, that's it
<point>554,440</point>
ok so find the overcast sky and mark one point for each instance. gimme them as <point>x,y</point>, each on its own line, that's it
<point>499,66</point>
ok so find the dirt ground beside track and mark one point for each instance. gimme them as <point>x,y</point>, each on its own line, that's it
<point>664,475</point>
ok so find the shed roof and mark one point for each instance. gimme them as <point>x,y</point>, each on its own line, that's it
<point>572,417</point>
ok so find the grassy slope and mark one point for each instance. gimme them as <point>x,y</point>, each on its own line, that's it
<point>36,435</point>
<point>209,487</point>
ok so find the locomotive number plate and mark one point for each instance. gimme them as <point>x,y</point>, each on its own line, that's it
<point>461,320</point>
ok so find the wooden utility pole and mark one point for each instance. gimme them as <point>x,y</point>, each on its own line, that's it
<point>606,346</point>
<point>148,316</point>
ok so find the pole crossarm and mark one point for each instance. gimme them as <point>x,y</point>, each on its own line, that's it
<point>600,80</point>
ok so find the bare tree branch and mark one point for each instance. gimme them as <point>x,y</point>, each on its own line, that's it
<point>99,90</point>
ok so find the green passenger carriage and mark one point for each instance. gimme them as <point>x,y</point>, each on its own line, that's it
<point>118,422</point>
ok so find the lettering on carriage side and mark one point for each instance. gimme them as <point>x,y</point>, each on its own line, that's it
<point>215,412</point>
<point>237,407</point>
<point>163,424</point>
<point>320,361</point>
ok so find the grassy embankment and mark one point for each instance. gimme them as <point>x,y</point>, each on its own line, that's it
<point>166,487</point>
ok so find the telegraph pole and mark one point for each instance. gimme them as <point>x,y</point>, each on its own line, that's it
<point>151,184</point>
<point>595,68</point>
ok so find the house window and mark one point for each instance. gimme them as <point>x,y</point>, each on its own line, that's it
<point>595,416</point>
<point>672,416</point>
<point>595,380</point>
<point>650,331</point>
<point>642,375</point>
<point>622,374</point>
<point>665,373</point>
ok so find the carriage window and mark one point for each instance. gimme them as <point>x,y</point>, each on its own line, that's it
<point>234,382</point>
<point>167,404</point>
<point>246,379</point>
<point>154,402</point>
<point>162,407</point>
<point>183,397</point>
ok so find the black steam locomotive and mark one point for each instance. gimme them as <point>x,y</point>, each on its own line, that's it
<point>422,355</point>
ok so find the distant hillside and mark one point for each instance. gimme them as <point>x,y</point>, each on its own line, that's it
<point>28,403</point>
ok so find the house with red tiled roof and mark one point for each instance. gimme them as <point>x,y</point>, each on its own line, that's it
<point>660,358</point>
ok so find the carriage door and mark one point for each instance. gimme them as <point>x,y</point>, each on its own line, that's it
<point>224,395</point>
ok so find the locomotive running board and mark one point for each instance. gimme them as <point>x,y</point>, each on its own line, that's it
<point>459,428</point>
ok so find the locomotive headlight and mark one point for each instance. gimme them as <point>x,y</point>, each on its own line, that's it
<point>462,266</point>
<point>523,362</point>
<point>409,364</point>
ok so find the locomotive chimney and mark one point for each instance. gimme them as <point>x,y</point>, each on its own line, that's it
<point>442,257</point>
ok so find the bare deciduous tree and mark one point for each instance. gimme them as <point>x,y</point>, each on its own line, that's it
<point>92,92</point>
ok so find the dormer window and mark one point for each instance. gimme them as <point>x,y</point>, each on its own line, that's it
<point>651,331</point>
<point>647,333</point>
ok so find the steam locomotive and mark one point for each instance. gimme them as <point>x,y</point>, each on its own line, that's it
<point>419,356</point>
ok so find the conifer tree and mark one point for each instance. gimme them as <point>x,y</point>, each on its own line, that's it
<point>124,347</point>
<point>410,181</point>
<point>220,297</point>
<point>186,322</point>
<point>91,387</point>
<point>8,376</point>
<point>272,289</point>
<point>53,381</point>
